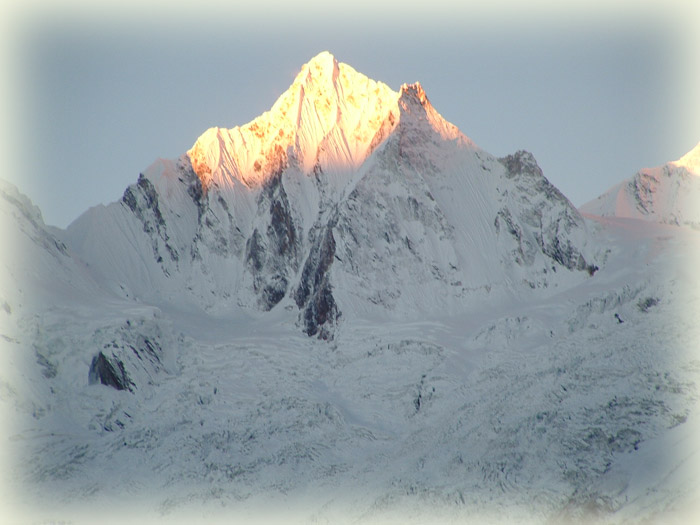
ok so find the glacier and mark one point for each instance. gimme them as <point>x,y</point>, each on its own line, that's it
<point>346,311</point>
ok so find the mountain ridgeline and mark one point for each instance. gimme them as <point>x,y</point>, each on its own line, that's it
<point>669,194</point>
<point>346,197</point>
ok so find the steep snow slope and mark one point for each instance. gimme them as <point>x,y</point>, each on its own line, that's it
<point>344,195</point>
<point>31,250</point>
<point>668,194</point>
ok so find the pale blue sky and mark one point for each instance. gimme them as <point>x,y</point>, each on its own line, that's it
<point>593,95</point>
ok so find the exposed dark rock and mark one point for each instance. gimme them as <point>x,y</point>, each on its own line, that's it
<point>549,214</point>
<point>109,371</point>
<point>272,253</point>
<point>521,163</point>
<point>49,369</point>
<point>129,361</point>
<point>142,199</point>
<point>151,198</point>
<point>314,295</point>
<point>147,350</point>
<point>645,304</point>
<point>255,252</point>
<point>274,291</point>
<point>195,189</point>
<point>424,393</point>
<point>525,252</point>
<point>281,227</point>
<point>130,200</point>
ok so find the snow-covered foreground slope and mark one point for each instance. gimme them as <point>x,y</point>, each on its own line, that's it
<point>668,194</point>
<point>582,404</point>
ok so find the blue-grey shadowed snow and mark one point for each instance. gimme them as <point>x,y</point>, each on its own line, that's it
<point>592,100</point>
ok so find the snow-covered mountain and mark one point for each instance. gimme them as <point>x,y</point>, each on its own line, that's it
<point>479,351</point>
<point>345,197</point>
<point>669,194</point>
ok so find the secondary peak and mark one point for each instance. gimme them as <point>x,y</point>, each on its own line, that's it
<point>415,90</point>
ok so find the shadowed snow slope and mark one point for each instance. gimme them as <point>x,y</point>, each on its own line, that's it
<point>668,194</point>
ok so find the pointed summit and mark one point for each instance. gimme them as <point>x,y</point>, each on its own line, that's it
<point>414,90</point>
<point>324,65</point>
<point>329,118</point>
<point>414,102</point>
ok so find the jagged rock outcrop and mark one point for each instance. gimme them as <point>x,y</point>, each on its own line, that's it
<point>131,357</point>
<point>314,295</point>
<point>272,251</point>
<point>553,224</point>
<point>109,371</point>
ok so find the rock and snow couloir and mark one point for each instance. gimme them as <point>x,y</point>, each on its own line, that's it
<point>668,194</point>
<point>345,197</point>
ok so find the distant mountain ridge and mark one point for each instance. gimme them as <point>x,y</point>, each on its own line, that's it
<point>668,194</point>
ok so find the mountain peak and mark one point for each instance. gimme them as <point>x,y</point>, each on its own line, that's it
<point>330,117</point>
<point>691,160</point>
<point>668,194</point>
<point>416,91</point>
<point>324,64</point>
<point>414,102</point>
<point>344,193</point>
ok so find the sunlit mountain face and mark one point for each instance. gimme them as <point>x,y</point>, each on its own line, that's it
<point>347,311</point>
<point>330,117</point>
